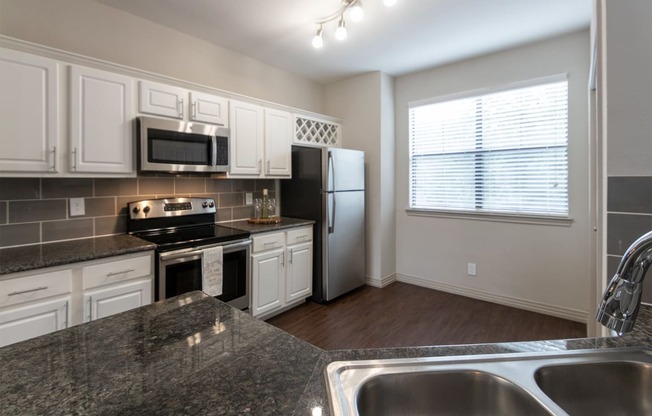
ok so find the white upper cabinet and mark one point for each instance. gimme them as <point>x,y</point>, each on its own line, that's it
<point>261,141</point>
<point>246,144</point>
<point>278,143</point>
<point>101,121</point>
<point>161,100</point>
<point>29,113</point>
<point>209,108</point>
<point>169,101</point>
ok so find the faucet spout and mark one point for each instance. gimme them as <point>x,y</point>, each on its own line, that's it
<point>622,298</point>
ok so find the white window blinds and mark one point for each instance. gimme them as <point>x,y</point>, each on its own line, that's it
<point>504,152</point>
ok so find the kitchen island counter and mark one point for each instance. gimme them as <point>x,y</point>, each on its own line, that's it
<point>194,355</point>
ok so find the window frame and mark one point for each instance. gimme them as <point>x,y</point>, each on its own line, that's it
<point>512,217</point>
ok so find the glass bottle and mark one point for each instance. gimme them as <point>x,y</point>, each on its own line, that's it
<point>265,205</point>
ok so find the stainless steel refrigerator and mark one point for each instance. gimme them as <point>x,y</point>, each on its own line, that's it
<point>328,186</point>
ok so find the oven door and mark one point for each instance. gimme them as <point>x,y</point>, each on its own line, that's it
<point>180,271</point>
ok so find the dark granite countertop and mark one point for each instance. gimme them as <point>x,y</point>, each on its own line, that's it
<point>194,355</point>
<point>18,259</point>
<point>286,222</point>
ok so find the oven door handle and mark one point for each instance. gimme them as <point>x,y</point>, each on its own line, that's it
<point>244,243</point>
<point>198,250</point>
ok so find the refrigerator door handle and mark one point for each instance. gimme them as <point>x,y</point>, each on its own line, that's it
<point>331,173</point>
<point>331,228</point>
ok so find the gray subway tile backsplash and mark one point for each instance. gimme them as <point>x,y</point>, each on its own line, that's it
<point>67,229</point>
<point>20,234</point>
<point>20,188</point>
<point>66,187</point>
<point>629,207</point>
<point>116,187</point>
<point>630,194</point>
<point>35,210</point>
<point>156,186</point>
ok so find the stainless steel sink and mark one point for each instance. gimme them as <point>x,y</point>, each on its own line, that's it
<point>463,392</point>
<point>587,382</point>
<point>610,388</point>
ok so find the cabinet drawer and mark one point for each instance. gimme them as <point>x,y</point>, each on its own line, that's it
<point>268,242</point>
<point>116,271</point>
<point>300,235</point>
<point>40,286</point>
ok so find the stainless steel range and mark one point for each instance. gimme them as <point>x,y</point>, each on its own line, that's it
<point>189,245</point>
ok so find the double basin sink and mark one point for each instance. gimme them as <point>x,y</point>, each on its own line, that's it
<point>575,383</point>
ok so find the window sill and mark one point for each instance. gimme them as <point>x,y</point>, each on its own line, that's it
<point>483,216</point>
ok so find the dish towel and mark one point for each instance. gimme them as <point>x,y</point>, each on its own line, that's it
<point>212,271</point>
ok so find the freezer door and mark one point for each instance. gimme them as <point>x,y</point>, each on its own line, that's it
<point>344,248</point>
<point>344,169</point>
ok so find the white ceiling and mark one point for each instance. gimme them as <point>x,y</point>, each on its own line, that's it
<point>411,35</point>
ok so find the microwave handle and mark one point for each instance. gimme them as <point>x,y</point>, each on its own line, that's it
<point>214,146</point>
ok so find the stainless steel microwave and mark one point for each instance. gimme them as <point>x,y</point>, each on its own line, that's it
<point>181,146</point>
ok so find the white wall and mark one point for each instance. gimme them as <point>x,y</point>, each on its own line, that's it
<point>95,30</point>
<point>542,268</point>
<point>629,87</point>
<point>365,103</point>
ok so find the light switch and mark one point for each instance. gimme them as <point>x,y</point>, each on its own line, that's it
<point>77,207</point>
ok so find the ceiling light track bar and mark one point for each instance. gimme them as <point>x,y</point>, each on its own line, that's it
<point>338,14</point>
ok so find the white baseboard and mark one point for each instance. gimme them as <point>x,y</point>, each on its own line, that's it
<point>539,307</point>
<point>371,281</point>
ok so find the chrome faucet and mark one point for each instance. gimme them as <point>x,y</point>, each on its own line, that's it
<point>622,299</point>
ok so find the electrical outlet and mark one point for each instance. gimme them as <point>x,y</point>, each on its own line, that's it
<point>77,207</point>
<point>249,198</point>
<point>470,269</point>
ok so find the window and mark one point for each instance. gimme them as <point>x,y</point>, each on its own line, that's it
<point>503,152</point>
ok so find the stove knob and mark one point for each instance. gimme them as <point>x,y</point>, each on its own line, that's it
<point>211,204</point>
<point>136,209</point>
<point>204,204</point>
<point>146,209</point>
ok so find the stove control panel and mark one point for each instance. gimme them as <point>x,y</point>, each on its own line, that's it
<point>170,207</point>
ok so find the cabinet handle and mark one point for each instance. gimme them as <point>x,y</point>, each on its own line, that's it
<point>282,259</point>
<point>290,257</point>
<point>194,110</point>
<point>74,159</point>
<point>268,166</point>
<point>54,158</point>
<point>272,244</point>
<point>181,108</point>
<point>21,292</point>
<point>260,162</point>
<point>121,272</point>
<point>89,315</point>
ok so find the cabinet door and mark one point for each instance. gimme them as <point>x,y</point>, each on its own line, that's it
<point>161,100</point>
<point>101,121</point>
<point>29,116</point>
<point>278,143</point>
<point>36,319</point>
<point>209,108</point>
<point>108,301</point>
<point>246,145</point>
<point>267,281</point>
<point>299,272</point>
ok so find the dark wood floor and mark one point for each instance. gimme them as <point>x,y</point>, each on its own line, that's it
<point>403,315</point>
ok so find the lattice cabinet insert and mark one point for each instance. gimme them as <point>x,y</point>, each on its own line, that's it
<point>316,132</point>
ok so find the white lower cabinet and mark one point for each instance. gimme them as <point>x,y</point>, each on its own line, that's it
<point>41,301</point>
<point>111,300</point>
<point>281,270</point>
<point>35,319</point>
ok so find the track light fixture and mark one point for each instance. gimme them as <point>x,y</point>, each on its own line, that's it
<point>355,13</point>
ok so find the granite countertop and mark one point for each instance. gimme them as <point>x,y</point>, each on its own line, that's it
<point>286,222</point>
<point>194,355</point>
<point>18,259</point>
